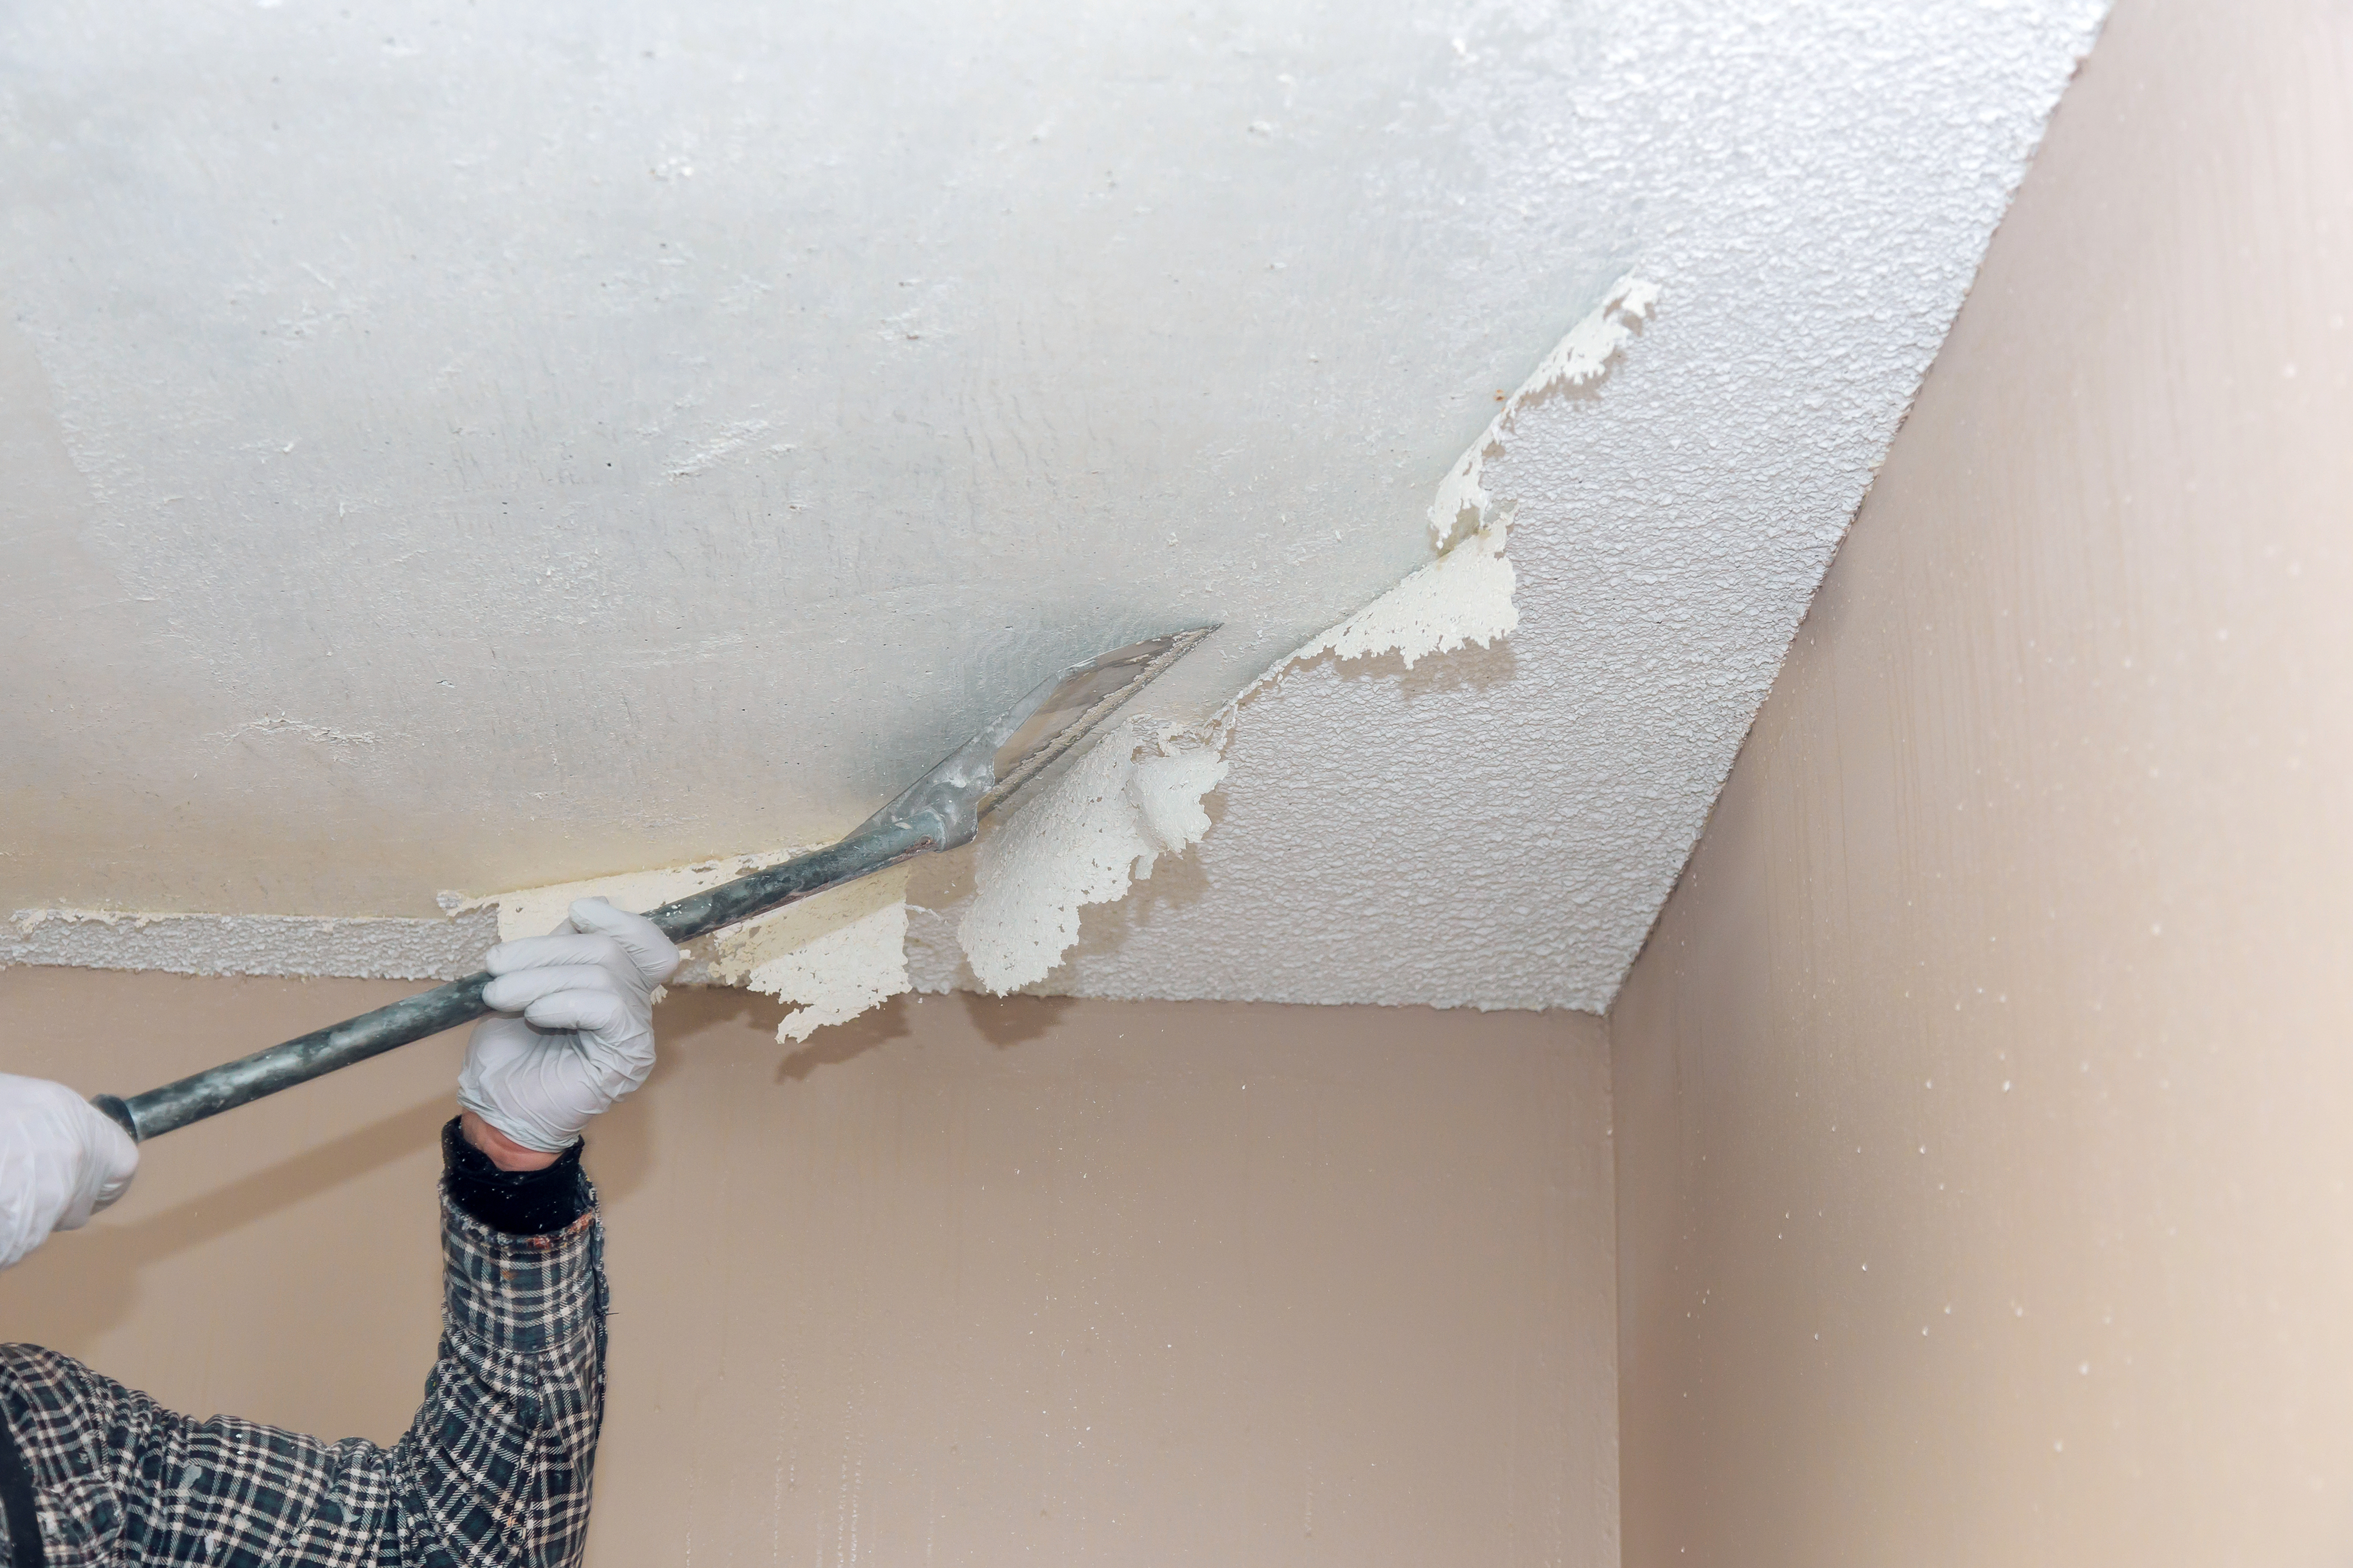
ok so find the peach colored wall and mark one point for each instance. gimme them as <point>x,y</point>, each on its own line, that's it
<point>1985,1094</point>
<point>969,1281</point>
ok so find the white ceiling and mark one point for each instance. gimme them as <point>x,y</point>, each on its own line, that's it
<point>469,447</point>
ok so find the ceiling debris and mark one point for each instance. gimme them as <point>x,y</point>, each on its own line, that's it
<point>1083,839</point>
<point>836,954</point>
<point>1575,364</point>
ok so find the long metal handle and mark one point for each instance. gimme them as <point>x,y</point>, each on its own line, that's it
<point>208,1093</point>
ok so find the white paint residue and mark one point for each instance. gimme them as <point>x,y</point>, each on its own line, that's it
<point>837,954</point>
<point>1578,361</point>
<point>1084,839</point>
<point>1465,595</point>
<point>325,734</point>
<point>741,434</point>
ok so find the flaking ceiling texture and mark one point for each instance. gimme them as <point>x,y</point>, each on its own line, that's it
<point>452,449</point>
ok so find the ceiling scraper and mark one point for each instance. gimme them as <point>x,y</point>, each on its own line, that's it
<point>939,811</point>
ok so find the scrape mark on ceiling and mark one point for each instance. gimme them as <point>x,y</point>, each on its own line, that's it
<point>535,911</point>
<point>325,734</point>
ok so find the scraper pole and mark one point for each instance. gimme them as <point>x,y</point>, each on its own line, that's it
<point>939,811</point>
<point>208,1093</point>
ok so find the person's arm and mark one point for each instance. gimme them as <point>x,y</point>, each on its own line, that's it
<point>494,1470</point>
<point>496,1466</point>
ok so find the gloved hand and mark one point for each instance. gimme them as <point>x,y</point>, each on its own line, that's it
<point>585,1035</point>
<point>61,1161</point>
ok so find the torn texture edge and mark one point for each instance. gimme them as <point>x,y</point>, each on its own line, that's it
<point>836,954</point>
<point>1084,839</point>
<point>1578,361</point>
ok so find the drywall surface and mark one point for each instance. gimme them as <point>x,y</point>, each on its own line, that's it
<point>475,449</point>
<point>966,1282</point>
<point>1983,1096</point>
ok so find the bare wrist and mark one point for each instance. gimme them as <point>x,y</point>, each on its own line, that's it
<point>502,1150</point>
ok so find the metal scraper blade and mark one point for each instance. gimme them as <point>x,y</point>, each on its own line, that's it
<point>1060,712</point>
<point>945,806</point>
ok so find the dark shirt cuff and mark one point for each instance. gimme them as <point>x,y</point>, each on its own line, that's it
<point>520,1203</point>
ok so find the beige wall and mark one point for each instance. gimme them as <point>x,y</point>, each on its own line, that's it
<point>969,1281</point>
<point>1985,1095</point>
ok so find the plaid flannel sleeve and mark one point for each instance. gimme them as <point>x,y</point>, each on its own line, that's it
<point>493,1473</point>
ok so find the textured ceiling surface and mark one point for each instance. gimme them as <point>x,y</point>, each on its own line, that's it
<point>468,448</point>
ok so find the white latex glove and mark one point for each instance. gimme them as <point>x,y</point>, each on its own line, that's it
<point>61,1161</point>
<point>585,1035</point>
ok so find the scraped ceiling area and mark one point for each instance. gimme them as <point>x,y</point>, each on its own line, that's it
<point>458,450</point>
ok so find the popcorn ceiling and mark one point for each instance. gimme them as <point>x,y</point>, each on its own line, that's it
<point>638,522</point>
<point>1499,830</point>
<point>293,945</point>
